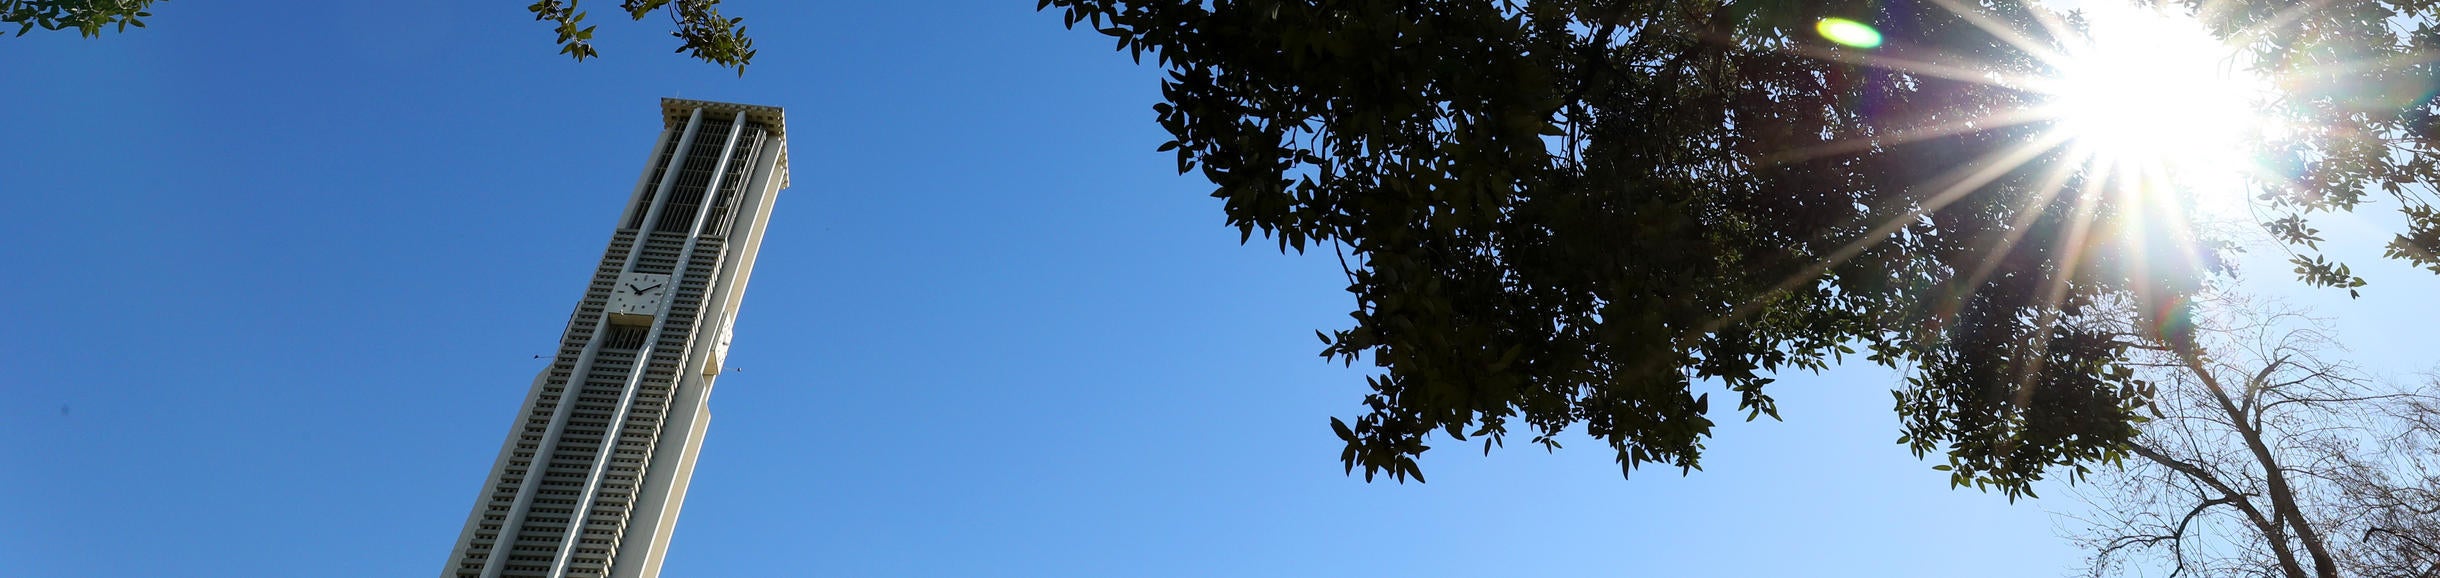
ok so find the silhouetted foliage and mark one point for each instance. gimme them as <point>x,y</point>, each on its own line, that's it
<point>88,17</point>
<point>1573,211</point>
<point>701,31</point>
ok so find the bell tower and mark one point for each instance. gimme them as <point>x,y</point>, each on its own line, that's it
<point>590,479</point>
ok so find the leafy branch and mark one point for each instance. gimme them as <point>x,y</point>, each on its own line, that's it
<point>88,17</point>
<point>701,31</point>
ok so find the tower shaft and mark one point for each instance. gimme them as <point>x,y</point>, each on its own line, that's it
<point>595,467</point>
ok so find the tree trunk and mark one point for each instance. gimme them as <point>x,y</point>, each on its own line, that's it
<point>2283,498</point>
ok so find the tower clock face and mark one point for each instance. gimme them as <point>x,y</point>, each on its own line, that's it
<point>639,294</point>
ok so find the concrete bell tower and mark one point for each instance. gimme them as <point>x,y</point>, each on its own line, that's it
<point>595,467</point>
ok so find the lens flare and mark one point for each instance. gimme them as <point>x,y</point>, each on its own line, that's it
<point>1848,33</point>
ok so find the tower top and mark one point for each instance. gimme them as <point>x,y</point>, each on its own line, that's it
<point>675,110</point>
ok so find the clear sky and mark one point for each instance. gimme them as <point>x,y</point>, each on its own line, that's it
<point>275,274</point>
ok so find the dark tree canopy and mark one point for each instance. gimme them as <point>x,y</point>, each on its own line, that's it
<point>701,31</point>
<point>1574,212</point>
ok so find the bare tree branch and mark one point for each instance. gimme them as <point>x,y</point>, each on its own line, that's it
<point>2324,472</point>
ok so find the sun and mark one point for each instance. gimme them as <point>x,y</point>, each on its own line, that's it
<point>2161,103</point>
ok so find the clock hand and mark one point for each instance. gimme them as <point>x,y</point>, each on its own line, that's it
<point>631,287</point>
<point>647,289</point>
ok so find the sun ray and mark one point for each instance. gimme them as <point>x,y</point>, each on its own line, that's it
<point>2181,230</point>
<point>2053,182</point>
<point>1973,177</point>
<point>1960,70</point>
<point>2070,256</point>
<point>2051,23</point>
<point>2012,36</point>
<point>2250,34</point>
<point>1947,129</point>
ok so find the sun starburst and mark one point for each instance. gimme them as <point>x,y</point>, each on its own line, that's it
<point>2143,110</point>
<point>2153,93</point>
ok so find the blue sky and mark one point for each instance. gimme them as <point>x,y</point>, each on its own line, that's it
<point>276,277</point>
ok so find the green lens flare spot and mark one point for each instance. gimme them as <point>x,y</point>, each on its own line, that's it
<point>1848,33</point>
